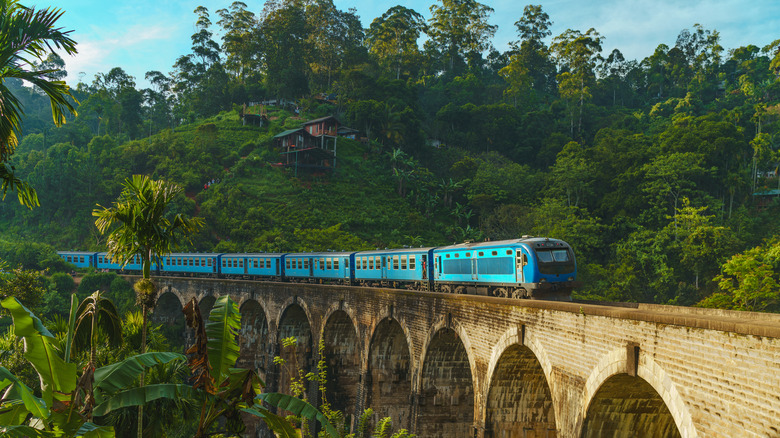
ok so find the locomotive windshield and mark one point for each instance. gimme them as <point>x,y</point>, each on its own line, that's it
<point>555,261</point>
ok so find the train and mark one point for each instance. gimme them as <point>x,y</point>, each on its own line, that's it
<point>528,267</point>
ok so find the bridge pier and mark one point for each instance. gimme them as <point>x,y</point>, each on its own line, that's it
<point>463,366</point>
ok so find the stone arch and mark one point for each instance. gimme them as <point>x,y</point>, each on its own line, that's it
<point>294,322</point>
<point>389,373</point>
<point>205,304</point>
<point>446,384</point>
<point>253,339</point>
<point>519,400</point>
<point>618,404</point>
<point>169,315</point>
<point>342,356</point>
<point>522,337</point>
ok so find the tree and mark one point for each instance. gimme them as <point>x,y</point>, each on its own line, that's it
<point>392,38</point>
<point>460,29</point>
<point>749,281</point>
<point>577,55</point>
<point>27,35</point>
<point>144,231</point>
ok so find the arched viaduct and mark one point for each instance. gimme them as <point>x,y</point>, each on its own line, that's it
<point>459,366</point>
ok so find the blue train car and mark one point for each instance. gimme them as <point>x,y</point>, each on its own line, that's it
<point>519,268</point>
<point>190,263</point>
<point>253,264</point>
<point>411,268</point>
<point>80,259</point>
<point>319,267</point>
<point>105,263</point>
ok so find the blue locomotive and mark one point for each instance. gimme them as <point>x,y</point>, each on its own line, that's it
<point>530,267</point>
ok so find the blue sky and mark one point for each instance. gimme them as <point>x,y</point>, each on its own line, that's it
<point>144,35</point>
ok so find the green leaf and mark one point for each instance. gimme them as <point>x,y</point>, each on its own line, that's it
<point>280,426</point>
<point>22,432</point>
<point>20,392</point>
<point>13,413</point>
<point>111,378</point>
<point>142,395</point>
<point>298,407</point>
<point>57,376</point>
<point>222,331</point>
<point>91,430</point>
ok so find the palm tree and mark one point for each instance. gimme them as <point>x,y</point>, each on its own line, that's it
<point>145,231</point>
<point>27,34</point>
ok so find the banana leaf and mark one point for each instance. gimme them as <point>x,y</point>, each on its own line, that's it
<point>112,378</point>
<point>144,394</point>
<point>91,430</point>
<point>19,391</point>
<point>222,331</point>
<point>23,432</point>
<point>298,407</point>
<point>13,413</point>
<point>57,377</point>
<point>280,426</point>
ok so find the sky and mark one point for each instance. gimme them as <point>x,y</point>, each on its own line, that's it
<point>145,35</point>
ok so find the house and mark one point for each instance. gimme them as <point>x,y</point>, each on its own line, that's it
<point>314,144</point>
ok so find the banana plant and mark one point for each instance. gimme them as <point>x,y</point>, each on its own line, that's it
<point>225,391</point>
<point>59,412</point>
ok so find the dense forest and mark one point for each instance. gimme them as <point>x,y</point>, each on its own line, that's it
<point>661,172</point>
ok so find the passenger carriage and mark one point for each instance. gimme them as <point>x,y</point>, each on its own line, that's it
<point>80,259</point>
<point>408,267</point>
<point>104,263</point>
<point>266,265</point>
<point>520,268</point>
<point>322,267</point>
<point>190,263</point>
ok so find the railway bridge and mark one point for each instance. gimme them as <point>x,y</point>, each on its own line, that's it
<point>460,366</point>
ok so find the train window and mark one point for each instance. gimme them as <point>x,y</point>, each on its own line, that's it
<point>448,256</point>
<point>403,262</point>
<point>494,253</point>
<point>335,263</point>
<point>191,261</point>
<point>370,263</point>
<point>457,255</point>
<point>395,262</point>
<point>544,256</point>
<point>468,254</point>
<point>197,261</point>
<point>346,264</point>
<point>383,261</point>
<point>305,263</point>
<point>268,263</point>
<point>412,260</point>
<point>328,262</point>
<point>70,259</point>
<point>240,263</point>
<point>509,252</point>
<point>209,261</point>
<point>481,254</point>
<point>287,263</point>
<point>81,259</point>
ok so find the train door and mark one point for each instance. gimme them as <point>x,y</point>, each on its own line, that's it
<point>474,273</point>
<point>384,267</point>
<point>310,261</point>
<point>520,261</point>
<point>424,263</point>
<point>246,265</point>
<point>436,267</point>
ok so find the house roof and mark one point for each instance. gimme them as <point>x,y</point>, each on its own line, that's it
<point>288,132</point>
<point>321,119</point>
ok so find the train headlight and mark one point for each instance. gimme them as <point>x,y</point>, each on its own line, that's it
<point>543,280</point>
<point>570,278</point>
